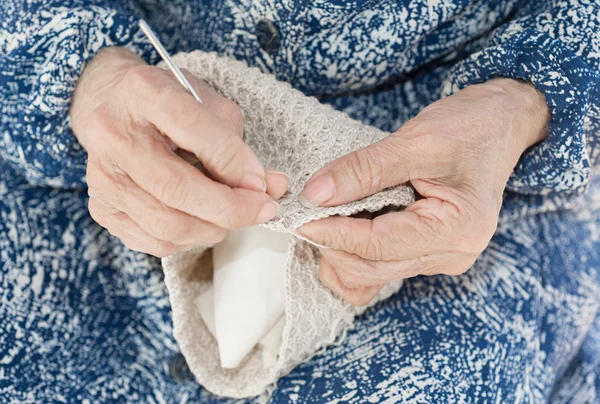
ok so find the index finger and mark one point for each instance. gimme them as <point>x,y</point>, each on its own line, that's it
<point>155,168</point>
<point>215,138</point>
<point>183,187</point>
<point>355,272</point>
<point>393,236</point>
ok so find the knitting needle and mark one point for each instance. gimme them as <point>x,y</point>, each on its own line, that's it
<point>167,58</point>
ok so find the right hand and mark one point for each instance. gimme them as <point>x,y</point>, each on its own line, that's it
<point>130,117</point>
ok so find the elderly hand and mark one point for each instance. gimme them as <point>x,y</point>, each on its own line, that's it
<point>130,117</point>
<point>458,153</point>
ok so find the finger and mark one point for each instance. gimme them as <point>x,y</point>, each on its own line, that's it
<point>277,184</point>
<point>155,218</point>
<point>195,127</point>
<point>175,183</point>
<point>356,272</point>
<point>359,174</point>
<point>423,228</point>
<point>392,236</point>
<point>227,110</point>
<point>353,235</point>
<point>356,297</point>
<point>133,237</point>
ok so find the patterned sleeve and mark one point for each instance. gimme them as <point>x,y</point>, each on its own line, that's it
<point>44,45</point>
<point>556,46</point>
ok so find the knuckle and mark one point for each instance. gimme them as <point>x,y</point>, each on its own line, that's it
<point>103,125</point>
<point>374,249</point>
<point>117,181</point>
<point>186,113</point>
<point>142,76</point>
<point>329,238</point>
<point>421,138</point>
<point>100,119</point>
<point>344,239</point>
<point>413,127</point>
<point>165,227</point>
<point>169,186</point>
<point>437,230</point>
<point>225,158</point>
<point>365,170</point>
<point>121,142</point>
<point>118,225</point>
<point>371,248</point>
<point>352,274</point>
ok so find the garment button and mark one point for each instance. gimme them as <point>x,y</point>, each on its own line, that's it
<point>268,36</point>
<point>179,370</point>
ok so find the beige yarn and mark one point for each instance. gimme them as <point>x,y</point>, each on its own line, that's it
<point>295,134</point>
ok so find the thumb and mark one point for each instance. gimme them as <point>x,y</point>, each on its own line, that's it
<point>359,174</point>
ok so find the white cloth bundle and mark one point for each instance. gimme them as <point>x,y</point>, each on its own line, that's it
<point>247,299</point>
<point>297,135</point>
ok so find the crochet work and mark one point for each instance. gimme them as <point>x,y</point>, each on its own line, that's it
<point>297,135</point>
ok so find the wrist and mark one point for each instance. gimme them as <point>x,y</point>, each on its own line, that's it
<point>98,79</point>
<point>527,112</point>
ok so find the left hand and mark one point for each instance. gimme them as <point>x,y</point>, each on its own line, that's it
<point>458,153</point>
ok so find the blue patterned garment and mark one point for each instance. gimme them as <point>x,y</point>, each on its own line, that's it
<point>84,319</point>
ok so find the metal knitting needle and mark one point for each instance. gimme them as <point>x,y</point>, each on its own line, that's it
<point>167,58</point>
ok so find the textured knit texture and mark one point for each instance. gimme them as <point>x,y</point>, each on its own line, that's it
<point>84,318</point>
<point>295,134</point>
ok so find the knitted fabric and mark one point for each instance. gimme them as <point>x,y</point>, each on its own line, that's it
<point>295,134</point>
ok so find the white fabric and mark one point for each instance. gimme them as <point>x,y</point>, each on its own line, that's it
<point>269,344</point>
<point>248,294</point>
<point>205,303</point>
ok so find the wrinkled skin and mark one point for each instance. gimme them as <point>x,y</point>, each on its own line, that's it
<point>141,129</point>
<point>458,153</point>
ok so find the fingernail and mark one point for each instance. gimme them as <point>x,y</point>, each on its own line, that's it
<point>268,212</point>
<point>317,191</point>
<point>254,182</point>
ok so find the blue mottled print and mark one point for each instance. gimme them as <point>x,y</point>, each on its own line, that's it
<point>84,319</point>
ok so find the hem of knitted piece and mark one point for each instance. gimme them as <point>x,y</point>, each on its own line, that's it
<point>401,196</point>
<point>284,364</point>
